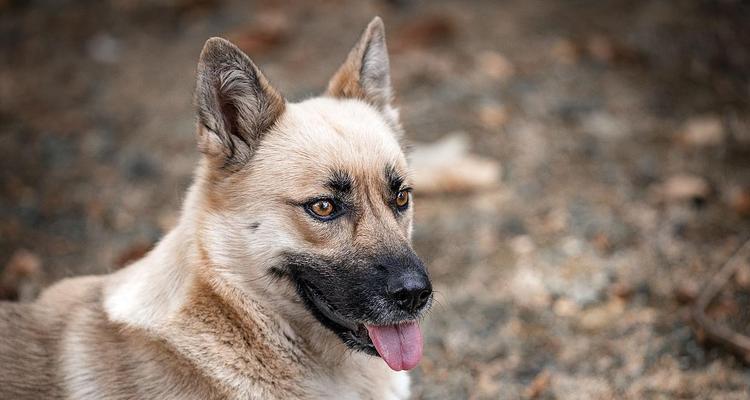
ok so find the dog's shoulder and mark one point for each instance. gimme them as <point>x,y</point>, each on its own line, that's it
<point>31,332</point>
<point>69,294</point>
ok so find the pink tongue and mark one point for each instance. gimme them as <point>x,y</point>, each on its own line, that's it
<point>399,345</point>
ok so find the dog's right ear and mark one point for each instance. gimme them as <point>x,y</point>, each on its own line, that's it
<point>236,104</point>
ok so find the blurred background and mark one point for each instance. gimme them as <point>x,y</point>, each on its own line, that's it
<point>583,168</point>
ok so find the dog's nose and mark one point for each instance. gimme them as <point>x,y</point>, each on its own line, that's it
<point>411,291</point>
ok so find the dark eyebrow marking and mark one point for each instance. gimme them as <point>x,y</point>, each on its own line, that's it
<point>393,179</point>
<point>340,183</point>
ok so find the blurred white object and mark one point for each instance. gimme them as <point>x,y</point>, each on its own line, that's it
<point>446,166</point>
<point>703,131</point>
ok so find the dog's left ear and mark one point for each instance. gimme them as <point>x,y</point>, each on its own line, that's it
<point>365,74</point>
<point>236,104</point>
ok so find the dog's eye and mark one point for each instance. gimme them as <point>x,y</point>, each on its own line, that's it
<point>322,208</point>
<point>402,199</point>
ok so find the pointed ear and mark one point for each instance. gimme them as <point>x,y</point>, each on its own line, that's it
<point>366,72</point>
<point>236,104</point>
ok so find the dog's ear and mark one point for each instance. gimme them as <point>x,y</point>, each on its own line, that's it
<point>236,104</point>
<point>366,72</point>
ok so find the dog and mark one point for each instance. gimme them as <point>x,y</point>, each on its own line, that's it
<point>290,274</point>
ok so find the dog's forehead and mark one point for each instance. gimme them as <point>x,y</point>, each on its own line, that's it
<point>323,135</point>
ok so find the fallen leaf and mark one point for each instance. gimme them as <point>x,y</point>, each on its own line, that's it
<point>133,253</point>
<point>424,32</point>
<point>269,31</point>
<point>606,49</point>
<point>685,187</point>
<point>538,385</point>
<point>601,48</point>
<point>565,51</point>
<point>703,131</point>
<point>622,290</point>
<point>495,65</point>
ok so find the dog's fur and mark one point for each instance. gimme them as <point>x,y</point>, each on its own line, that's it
<point>216,310</point>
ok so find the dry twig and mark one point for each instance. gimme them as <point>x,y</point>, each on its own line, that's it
<point>720,333</point>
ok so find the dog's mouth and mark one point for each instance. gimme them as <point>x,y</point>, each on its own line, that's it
<point>400,344</point>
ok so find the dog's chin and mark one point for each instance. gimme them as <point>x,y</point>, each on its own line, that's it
<point>353,334</point>
<point>399,343</point>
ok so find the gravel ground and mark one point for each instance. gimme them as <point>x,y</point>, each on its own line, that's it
<point>622,129</point>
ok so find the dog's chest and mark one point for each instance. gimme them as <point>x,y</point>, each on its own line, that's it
<point>246,369</point>
<point>258,358</point>
<point>364,385</point>
<point>356,376</point>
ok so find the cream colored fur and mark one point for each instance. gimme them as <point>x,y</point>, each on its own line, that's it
<point>200,317</point>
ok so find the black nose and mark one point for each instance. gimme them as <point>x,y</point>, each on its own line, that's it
<point>410,291</point>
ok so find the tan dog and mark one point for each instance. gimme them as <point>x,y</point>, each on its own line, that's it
<point>289,271</point>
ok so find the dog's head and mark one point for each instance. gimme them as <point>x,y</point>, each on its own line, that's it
<point>311,201</point>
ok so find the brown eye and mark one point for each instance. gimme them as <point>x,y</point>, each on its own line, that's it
<point>322,208</point>
<point>402,199</point>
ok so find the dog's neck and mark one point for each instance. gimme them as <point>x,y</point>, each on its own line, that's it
<point>147,293</point>
<point>152,290</point>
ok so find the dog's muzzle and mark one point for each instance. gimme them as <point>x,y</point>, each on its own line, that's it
<point>372,305</point>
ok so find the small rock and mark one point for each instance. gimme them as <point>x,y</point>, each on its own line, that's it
<point>602,242</point>
<point>528,289</point>
<point>556,221</point>
<point>686,292</point>
<point>742,276</point>
<point>739,200</point>
<point>600,317</point>
<point>595,319</point>
<point>564,307</point>
<point>571,246</point>
<point>487,385</point>
<point>703,131</point>
<point>495,65</point>
<point>605,125</point>
<point>685,187</point>
<point>493,116</point>
<point>565,51</point>
<point>522,245</point>
<point>20,277</point>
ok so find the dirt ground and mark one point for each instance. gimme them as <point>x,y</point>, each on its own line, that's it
<point>622,129</point>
